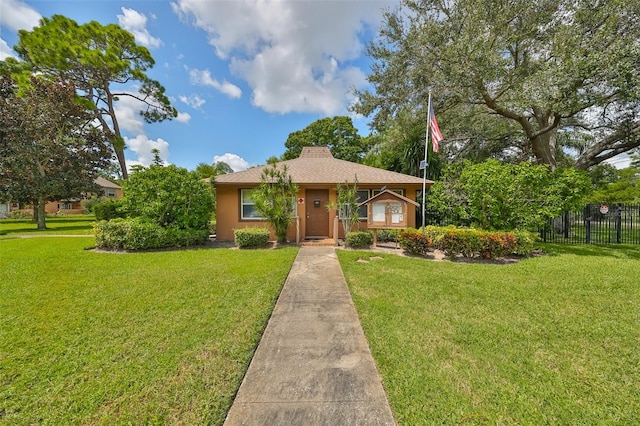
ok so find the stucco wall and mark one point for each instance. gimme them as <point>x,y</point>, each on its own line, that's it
<point>228,212</point>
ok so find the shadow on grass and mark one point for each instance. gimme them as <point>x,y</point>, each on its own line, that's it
<point>618,251</point>
<point>34,228</point>
<point>62,224</point>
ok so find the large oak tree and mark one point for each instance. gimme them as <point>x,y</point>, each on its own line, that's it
<point>103,61</point>
<point>540,74</point>
<point>49,147</point>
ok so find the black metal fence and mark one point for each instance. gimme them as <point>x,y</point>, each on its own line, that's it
<point>596,224</point>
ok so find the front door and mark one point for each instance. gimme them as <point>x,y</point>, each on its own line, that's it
<point>317,213</point>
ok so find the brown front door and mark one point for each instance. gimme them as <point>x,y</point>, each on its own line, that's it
<point>317,213</point>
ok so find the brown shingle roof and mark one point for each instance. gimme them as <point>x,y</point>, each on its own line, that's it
<point>316,165</point>
<point>105,183</point>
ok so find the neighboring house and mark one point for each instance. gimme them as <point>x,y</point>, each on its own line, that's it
<point>317,174</point>
<point>74,205</point>
<point>70,206</point>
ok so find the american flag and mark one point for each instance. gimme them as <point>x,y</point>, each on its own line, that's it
<point>436,135</point>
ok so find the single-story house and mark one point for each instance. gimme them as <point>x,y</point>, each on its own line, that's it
<point>108,190</point>
<point>317,174</point>
<point>74,205</point>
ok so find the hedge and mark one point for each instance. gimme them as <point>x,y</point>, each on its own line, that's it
<point>463,241</point>
<point>251,237</point>
<point>136,234</point>
<point>388,235</point>
<point>359,239</point>
<point>415,242</point>
<point>466,242</point>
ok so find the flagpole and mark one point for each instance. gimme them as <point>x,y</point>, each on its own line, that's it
<point>426,150</point>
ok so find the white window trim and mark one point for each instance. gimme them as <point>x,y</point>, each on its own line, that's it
<point>243,203</point>
<point>294,206</point>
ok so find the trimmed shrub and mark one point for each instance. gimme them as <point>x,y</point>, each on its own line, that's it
<point>387,235</point>
<point>359,239</point>
<point>137,234</point>
<point>251,237</point>
<point>486,244</point>
<point>493,244</point>
<point>415,242</point>
<point>524,243</point>
<point>436,233</point>
<point>108,209</point>
<point>510,242</point>
<point>465,242</point>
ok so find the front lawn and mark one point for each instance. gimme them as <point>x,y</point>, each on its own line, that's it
<point>106,338</point>
<point>549,340</point>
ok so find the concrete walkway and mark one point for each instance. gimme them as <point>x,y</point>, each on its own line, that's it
<point>313,365</point>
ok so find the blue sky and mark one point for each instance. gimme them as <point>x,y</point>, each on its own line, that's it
<point>243,74</point>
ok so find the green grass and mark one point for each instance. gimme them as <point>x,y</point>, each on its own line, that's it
<point>549,340</point>
<point>106,338</point>
<point>72,224</point>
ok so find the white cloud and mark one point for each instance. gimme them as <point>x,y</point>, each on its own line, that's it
<point>128,112</point>
<point>234,161</point>
<point>17,15</point>
<point>293,54</point>
<point>142,147</point>
<point>183,117</point>
<point>5,50</point>
<point>620,161</point>
<point>203,77</point>
<point>136,23</point>
<point>131,163</point>
<point>194,101</point>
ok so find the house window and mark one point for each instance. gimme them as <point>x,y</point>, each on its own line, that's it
<point>362,211</point>
<point>248,206</point>
<point>111,193</point>
<point>64,206</point>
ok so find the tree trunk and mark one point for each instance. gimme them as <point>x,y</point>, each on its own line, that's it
<point>39,207</point>
<point>121,160</point>
<point>34,218</point>
<point>544,145</point>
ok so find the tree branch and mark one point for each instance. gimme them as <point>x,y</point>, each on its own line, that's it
<point>493,104</point>
<point>556,123</point>
<point>594,154</point>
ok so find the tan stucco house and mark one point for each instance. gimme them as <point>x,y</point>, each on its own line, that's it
<point>317,174</point>
<point>108,190</point>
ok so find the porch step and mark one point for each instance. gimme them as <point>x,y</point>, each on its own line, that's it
<point>326,242</point>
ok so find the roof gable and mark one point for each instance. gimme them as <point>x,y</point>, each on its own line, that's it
<point>315,152</point>
<point>386,194</point>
